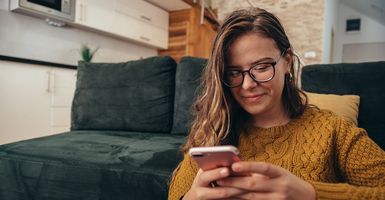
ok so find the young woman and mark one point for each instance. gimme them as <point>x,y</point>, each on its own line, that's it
<point>291,150</point>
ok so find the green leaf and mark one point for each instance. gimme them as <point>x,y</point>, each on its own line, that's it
<point>86,53</point>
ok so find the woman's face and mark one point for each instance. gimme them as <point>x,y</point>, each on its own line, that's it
<point>258,99</point>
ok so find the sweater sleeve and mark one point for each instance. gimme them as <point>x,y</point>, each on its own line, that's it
<point>183,178</point>
<point>361,163</point>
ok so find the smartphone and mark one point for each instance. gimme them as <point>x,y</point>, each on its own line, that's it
<point>213,157</point>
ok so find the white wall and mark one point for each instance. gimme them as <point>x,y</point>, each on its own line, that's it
<point>371,31</point>
<point>330,24</point>
<point>28,37</point>
<point>363,52</point>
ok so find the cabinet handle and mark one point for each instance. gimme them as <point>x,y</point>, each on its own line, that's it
<point>48,82</point>
<point>146,18</point>
<point>81,12</point>
<point>144,38</point>
<point>84,13</point>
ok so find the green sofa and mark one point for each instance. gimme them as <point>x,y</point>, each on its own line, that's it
<point>128,122</point>
<point>366,80</point>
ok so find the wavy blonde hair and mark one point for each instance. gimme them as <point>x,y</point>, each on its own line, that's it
<point>217,116</point>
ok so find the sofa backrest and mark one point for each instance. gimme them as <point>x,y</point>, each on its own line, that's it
<point>364,79</point>
<point>187,80</point>
<point>131,96</point>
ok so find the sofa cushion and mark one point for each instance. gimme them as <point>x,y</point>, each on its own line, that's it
<point>90,165</point>
<point>187,80</point>
<point>343,105</point>
<point>133,96</point>
<point>363,79</point>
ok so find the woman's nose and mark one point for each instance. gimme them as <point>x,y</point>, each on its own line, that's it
<point>248,82</point>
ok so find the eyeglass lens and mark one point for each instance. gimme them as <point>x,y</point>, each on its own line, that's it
<point>259,73</point>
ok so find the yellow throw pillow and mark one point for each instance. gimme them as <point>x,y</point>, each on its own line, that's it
<point>343,105</point>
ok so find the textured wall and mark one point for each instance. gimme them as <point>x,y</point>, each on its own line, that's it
<point>303,21</point>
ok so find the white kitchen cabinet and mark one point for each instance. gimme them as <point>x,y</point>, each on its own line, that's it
<point>144,12</point>
<point>35,100</point>
<point>135,20</point>
<point>139,31</point>
<point>63,84</point>
<point>97,14</point>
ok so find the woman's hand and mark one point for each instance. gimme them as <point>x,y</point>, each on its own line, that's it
<point>267,181</point>
<point>202,186</point>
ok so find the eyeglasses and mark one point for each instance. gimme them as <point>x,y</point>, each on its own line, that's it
<point>260,73</point>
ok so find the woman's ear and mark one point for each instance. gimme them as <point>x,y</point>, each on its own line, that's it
<point>289,59</point>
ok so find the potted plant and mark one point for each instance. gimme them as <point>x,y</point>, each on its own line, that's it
<point>86,53</point>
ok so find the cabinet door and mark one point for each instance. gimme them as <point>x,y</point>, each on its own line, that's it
<point>62,92</point>
<point>139,31</point>
<point>96,14</point>
<point>143,11</point>
<point>35,101</point>
<point>24,101</point>
<point>135,20</point>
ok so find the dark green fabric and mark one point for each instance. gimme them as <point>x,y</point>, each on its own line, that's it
<point>77,165</point>
<point>187,80</point>
<point>364,79</point>
<point>133,96</point>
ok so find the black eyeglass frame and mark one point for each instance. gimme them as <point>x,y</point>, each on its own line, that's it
<point>252,76</point>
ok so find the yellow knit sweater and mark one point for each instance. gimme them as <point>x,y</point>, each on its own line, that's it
<point>337,158</point>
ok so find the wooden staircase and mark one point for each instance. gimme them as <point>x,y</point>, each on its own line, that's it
<point>187,37</point>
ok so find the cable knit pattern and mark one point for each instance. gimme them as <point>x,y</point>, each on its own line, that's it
<point>336,157</point>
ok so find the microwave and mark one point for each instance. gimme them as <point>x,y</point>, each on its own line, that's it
<point>57,9</point>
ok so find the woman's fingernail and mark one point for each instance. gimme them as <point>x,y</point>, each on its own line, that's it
<point>224,171</point>
<point>236,167</point>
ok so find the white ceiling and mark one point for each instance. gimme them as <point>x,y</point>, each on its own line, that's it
<point>374,9</point>
<point>170,5</point>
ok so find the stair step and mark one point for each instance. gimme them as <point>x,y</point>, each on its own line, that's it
<point>178,28</point>
<point>177,41</point>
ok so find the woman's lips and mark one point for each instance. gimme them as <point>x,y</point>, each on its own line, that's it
<point>252,98</point>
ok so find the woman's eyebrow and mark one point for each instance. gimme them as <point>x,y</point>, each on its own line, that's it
<point>261,60</point>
